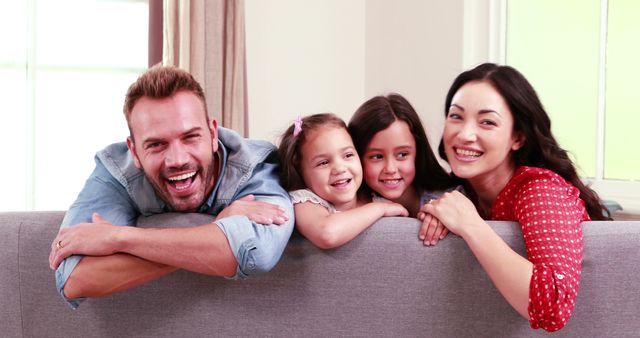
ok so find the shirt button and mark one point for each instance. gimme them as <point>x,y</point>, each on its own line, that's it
<point>559,276</point>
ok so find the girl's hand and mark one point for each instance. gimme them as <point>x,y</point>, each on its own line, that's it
<point>455,211</point>
<point>393,209</point>
<point>432,230</point>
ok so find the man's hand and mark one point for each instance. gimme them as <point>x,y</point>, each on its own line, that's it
<point>256,211</point>
<point>92,239</point>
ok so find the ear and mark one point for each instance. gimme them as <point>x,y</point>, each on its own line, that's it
<point>518,141</point>
<point>132,148</point>
<point>213,127</point>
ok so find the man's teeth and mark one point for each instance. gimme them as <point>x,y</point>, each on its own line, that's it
<point>182,177</point>
<point>464,152</point>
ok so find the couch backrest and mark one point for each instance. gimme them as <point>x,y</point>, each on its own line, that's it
<point>383,283</point>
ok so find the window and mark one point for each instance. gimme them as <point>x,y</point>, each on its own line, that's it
<point>581,57</point>
<point>65,67</point>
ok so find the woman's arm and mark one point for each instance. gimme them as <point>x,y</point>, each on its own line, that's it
<point>509,272</point>
<point>327,230</point>
<point>549,211</point>
<point>544,287</point>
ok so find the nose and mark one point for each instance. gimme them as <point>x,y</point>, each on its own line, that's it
<point>390,166</point>
<point>468,132</point>
<point>338,168</point>
<point>176,155</point>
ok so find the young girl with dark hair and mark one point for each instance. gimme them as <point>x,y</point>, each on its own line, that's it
<point>497,139</point>
<point>322,172</point>
<point>397,160</point>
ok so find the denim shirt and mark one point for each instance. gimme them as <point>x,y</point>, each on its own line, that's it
<point>120,193</point>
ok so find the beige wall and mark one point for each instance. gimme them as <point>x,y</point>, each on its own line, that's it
<point>303,57</point>
<point>309,56</point>
<point>414,48</point>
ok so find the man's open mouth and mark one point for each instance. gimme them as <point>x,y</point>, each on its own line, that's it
<point>183,181</point>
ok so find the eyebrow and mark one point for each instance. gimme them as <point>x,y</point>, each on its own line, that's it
<point>402,147</point>
<point>325,154</point>
<point>157,139</point>
<point>482,111</point>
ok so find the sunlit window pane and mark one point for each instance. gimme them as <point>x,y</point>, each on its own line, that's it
<point>78,114</point>
<point>92,33</point>
<point>13,36</point>
<point>65,66</point>
<point>622,111</point>
<point>555,44</point>
<point>13,140</point>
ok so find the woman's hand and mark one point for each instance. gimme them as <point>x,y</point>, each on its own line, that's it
<point>454,210</point>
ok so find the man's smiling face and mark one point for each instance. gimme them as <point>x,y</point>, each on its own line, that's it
<point>175,145</point>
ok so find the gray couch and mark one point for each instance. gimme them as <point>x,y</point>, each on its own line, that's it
<point>383,283</point>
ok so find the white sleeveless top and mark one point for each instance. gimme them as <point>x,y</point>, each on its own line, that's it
<point>306,195</point>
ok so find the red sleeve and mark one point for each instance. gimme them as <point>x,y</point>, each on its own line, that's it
<point>550,211</point>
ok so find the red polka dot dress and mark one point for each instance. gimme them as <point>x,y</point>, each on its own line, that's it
<point>549,211</point>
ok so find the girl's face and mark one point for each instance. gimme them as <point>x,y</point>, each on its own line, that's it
<point>389,162</point>
<point>331,167</point>
<point>478,134</point>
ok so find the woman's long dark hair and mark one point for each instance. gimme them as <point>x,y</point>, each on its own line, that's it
<point>540,148</point>
<point>377,114</point>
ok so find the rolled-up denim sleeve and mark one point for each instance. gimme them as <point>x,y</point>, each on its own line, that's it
<point>258,247</point>
<point>104,195</point>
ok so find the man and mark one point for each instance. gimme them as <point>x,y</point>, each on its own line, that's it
<point>176,159</point>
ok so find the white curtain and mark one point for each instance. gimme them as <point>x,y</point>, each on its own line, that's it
<point>207,38</point>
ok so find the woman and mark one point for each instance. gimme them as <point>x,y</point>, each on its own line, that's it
<point>497,139</point>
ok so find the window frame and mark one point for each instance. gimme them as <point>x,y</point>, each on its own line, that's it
<point>624,192</point>
<point>33,69</point>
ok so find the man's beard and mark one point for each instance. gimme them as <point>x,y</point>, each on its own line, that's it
<point>159,185</point>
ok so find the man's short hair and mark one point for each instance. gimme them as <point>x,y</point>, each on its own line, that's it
<point>159,82</point>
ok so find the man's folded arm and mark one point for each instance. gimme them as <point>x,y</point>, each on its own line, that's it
<point>146,254</point>
<point>105,275</point>
<point>102,194</point>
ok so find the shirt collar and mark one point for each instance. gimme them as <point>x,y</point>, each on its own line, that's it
<point>221,154</point>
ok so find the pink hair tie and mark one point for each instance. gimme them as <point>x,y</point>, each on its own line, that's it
<point>297,126</point>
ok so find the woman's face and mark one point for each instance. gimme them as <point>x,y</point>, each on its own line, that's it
<point>389,161</point>
<point>478,133</point>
